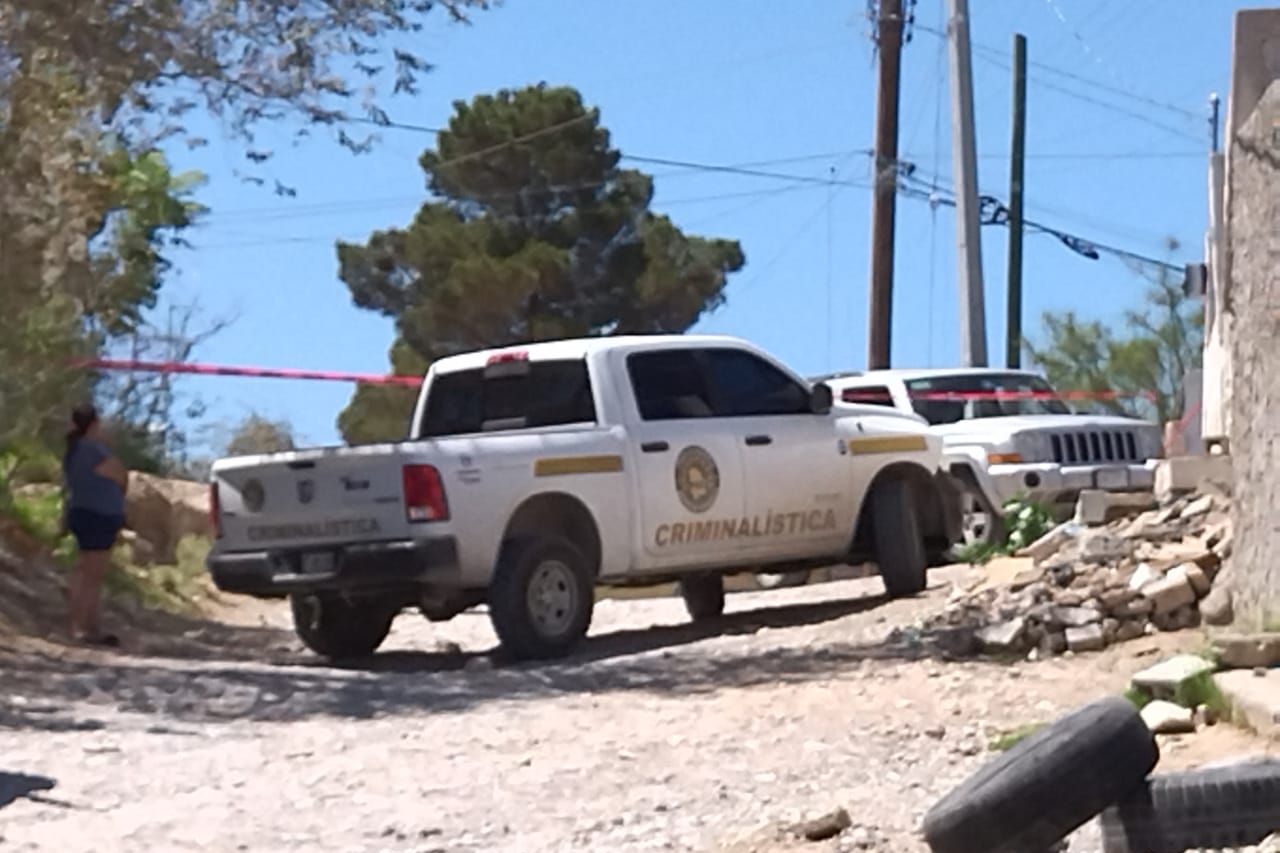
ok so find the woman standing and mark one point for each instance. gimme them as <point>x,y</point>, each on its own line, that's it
<point>96,481</point>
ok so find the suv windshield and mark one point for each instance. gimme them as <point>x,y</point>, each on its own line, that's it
<point>947,399</point>
<point>548,393</point>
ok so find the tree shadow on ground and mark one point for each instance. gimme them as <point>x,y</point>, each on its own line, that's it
<point>658,660</point>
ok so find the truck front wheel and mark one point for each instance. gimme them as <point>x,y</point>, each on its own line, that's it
<point>541,598</point>
<point>899,545</point>
<point>336,628</point>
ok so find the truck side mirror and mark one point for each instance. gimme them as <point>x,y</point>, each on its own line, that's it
<point>820,399</point>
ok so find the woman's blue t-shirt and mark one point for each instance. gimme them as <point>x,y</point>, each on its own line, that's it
<point>88,490</point>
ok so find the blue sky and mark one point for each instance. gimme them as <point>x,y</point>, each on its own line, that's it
<point>1116,146</point>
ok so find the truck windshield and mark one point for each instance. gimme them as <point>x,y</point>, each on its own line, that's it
<point>549,393</point>
<point>947,399</point>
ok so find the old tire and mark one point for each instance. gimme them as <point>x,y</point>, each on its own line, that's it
<point>339,629</point>
<point>541,598</point>
<point>1234,806</point>
<point>1046,785</point>
<point>899,545</point>
<point>703,596</point>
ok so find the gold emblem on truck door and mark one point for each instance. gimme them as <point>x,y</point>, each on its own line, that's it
<point>697,479</point>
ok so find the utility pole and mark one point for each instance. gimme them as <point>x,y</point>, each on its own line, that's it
<point>973,317</point>
<point>880,311</point>
<point>1017,162</point>
<point>1215,105</point>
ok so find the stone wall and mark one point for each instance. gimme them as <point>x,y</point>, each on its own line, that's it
<point>1254,228</point>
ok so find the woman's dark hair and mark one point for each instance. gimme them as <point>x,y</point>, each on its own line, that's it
<point>83,417</point>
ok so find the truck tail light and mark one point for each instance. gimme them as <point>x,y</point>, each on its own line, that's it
<point>215,509</point>
<point>424,498</point>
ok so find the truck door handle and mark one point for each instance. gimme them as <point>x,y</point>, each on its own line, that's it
<point>655,447</point>
<point>758,440</point>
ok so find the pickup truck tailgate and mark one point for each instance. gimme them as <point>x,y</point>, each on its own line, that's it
<point>310,498</point>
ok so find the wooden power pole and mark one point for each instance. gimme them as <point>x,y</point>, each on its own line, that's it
<point>880,313</point>
<point>1017,161</point>
<point>973,316</point>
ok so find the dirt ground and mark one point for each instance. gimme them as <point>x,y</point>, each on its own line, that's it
<point>658,735</point>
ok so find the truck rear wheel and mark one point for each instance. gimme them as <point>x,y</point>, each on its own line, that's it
<point>541,598</point>
<point>899,545</point>
<point>703,596</point>
<point>338,629</point>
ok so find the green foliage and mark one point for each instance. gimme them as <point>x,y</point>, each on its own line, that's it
<point>1008,740</point>
<point>1025,522</point>
<point>1202,690</point>
<point>257,434</point>
<point>1146,361</point>
<point>1138,697</point>
<point>534,233</point>
<point>176,589</point>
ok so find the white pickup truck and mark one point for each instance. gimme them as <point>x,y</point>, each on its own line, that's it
<point>532,474</point>
<point>1007,434</point>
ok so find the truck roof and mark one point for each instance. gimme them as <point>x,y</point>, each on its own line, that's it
<point>578,348</point>
<point>924,373</point>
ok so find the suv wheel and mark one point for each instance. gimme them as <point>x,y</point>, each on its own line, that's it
<point>336,628</point>
<point>542,597</point>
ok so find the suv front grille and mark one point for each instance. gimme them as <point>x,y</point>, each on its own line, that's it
<point>1095,445</point>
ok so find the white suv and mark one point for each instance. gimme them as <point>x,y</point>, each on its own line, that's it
<point>1008,434</point>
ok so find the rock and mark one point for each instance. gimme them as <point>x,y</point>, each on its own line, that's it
<point>1087,638</point>
<point>163,511</point>
<point>1206,716</point>
<point>1050,543</point>
<point>1075,617</point>
<point>1143,575</point>
<point>1130,629</point>
<point>1168,594</point>
<point>1163,680</point>
<point>141,552</point>
<point>1003,636</point>
<point>1110,630</point>
<point>1137,608</point>
<point>1216,607</point>
<point>1101,546</point>
<point>1166,718</point>
<point>1195,576</point>
<point>1091,507</point>
<point>828,826</point>
<point>1200,506</point>
<point>1114,600</point>
<point>1245,651</point>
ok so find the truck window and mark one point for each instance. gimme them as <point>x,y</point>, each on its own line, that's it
<point>743,384</point>
<point>551,393</point>
<point>668,385</point>
<point>947,399</point>
<point>868,395</point>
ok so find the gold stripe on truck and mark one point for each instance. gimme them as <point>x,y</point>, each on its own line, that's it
<point>887,444</point>
<point>556,466</point>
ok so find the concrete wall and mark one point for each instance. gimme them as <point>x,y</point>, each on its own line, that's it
<point>1253,220</point>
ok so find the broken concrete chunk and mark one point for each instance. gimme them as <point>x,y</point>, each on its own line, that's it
<point>1166,718</point>
<point>1131,629</point>
<point>1050,543</point>
<point>1163,680</point>
<point>1245,651</point>
<point>1101,546</point>
<point>1195,576</point>
<point>1182,474</point>
<point>1092,506</point>
<point>1168,594</point>
<point>1200,506</point>
<point>1143,576</point>
<point>1003,636</point>
<point>828,826</point>
<point>1087,638</point>
<point>1075,617</point>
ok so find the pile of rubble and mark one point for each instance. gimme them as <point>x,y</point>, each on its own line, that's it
<point>1082,587</point>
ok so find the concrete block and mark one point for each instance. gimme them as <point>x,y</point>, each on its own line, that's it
<point>1166,718</point>
<point>1087,638</point>
<point>1246,651</point>
<point>1092,507</point>
<point>1168,594</point>
<point>1195,576</point>
<point>1254,698</point>
<point>1075,617</point>
<point>1163,680</point>
<point>1003,636</point>
<point>1184,474</point>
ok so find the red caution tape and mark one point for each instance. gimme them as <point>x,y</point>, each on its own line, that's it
<point>856,395</point>
<point>258,372</point>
